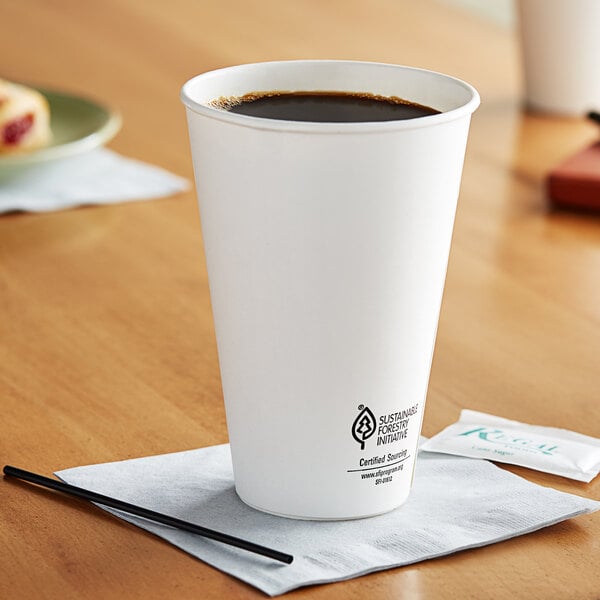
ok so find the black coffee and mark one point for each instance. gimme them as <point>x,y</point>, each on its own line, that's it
<point>325,107</point>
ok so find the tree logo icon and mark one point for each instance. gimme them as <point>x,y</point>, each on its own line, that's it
<point>364,425</point>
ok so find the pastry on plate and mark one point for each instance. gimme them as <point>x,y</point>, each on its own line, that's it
<point>24,119</point>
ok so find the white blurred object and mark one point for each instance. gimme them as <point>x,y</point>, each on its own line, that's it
<point>99,176</point>
<point>561,54</point>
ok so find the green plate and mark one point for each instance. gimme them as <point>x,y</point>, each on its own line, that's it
<point>77,124</point>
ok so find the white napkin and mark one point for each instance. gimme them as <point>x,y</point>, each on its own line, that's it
<point>100,176</point>
<point>456,503</point>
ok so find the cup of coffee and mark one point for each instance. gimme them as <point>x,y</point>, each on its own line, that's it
<point>560,46</point>
<point>327,194</point>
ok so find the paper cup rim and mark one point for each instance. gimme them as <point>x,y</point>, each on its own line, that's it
<point>212,112</point>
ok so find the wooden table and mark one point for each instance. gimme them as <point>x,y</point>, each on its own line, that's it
<point>107,348</point>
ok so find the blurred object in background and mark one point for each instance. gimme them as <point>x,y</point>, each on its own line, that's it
<point>575,183</point>
<point>561,54</point>
<point>24,119</point>
<point>500,12</point>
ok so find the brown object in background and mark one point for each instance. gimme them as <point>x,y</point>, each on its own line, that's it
<point>575,183</point>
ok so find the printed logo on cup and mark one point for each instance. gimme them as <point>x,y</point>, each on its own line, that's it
<point>364,425</point>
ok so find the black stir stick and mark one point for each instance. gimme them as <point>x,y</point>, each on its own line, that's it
<point>139,511</point>
<point>594,116</point>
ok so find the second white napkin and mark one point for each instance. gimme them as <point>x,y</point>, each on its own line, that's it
<point>100,176</point>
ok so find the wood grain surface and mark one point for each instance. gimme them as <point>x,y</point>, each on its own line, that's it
<point>107,347</point>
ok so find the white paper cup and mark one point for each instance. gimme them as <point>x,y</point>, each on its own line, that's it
<point>326,247</point>
<point>560,42</point>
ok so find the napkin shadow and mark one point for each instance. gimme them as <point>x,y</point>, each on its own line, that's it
<point>209,506</point>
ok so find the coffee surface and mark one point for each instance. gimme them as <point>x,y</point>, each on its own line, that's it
<point>324,107</point>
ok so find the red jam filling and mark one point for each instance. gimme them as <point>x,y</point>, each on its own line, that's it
<point>14,130</point>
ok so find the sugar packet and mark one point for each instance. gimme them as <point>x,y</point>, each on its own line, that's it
<point>548,449</point>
